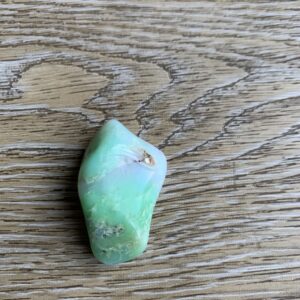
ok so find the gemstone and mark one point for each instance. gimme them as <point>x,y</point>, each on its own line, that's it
<point>119,181</point>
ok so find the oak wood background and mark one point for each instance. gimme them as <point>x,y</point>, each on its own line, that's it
<point>214,84</point>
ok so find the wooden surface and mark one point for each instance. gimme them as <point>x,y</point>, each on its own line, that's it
<point>214,84</point>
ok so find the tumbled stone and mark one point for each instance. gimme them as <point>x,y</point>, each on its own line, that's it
<point>119,182</point>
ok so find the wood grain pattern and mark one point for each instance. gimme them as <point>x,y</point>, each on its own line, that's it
<point>214,84</point>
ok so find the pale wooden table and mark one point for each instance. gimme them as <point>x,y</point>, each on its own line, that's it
<point>216,85</point>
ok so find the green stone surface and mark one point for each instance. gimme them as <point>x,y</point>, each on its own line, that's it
<point>119,182</point>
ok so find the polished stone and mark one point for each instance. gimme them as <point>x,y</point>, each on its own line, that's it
<point>119,182</point>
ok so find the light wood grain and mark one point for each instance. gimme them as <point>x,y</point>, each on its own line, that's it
<point>214,84</point>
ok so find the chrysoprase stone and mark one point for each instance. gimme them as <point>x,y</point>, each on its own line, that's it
<point>119,182</point>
